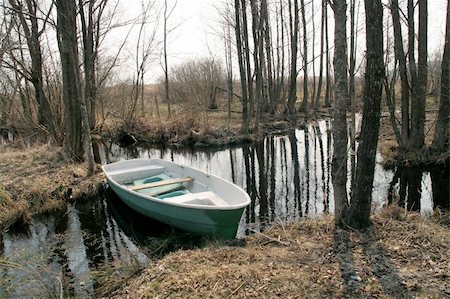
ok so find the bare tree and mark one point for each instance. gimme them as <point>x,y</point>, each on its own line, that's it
<point>304,106</point>
<point>418,107</point>
<point>241,60</point>
<point>246,51</point>
<point>327,102</point>
<point>401,59</point>
<point>28,16</point>
<point>413,75</point>
<point>6,26</point>
<point>361,200</point>
<point>67,42</point>
<point>339,167</point>
<point>441,134</point>
<point>265,24</point>
<point>195,81</point>
<point>226,24</point>
<point>352,65</point>
<point>167,13</point>
<point>321,55</point>
<point>292,93</point>
<point>258,58</point>
<point>145,47</point>
<point>229,60</point>
<point>91,13</point>
<point>280,55</point>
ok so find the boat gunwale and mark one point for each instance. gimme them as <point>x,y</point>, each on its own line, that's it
<point>180,204</point>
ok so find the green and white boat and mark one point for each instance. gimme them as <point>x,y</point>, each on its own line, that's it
<point>178,195</point>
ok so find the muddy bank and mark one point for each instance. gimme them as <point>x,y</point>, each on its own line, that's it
<point>401,256</point>
<point>40,180</point>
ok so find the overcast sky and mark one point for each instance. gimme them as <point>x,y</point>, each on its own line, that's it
<point>198,19</point>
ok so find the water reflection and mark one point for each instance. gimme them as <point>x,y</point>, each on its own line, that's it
<point>441,183</point>
<point>420,189</point>
<point>56,254</point>
<point>288,177</point>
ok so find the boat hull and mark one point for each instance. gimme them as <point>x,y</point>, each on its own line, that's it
<point>222,223</point>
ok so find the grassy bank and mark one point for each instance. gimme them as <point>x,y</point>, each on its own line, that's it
<point>39,180</point>
<point>401,256</point>
<point>196,128</point>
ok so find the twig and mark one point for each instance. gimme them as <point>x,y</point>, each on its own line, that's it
<point>213,289</point>
<point>237,289</point>
<point>270,238</point>
<point>261,287</point>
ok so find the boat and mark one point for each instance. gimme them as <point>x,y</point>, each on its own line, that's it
<point>181,196</point>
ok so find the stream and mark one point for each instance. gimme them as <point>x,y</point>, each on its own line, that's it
<point>287,177</point>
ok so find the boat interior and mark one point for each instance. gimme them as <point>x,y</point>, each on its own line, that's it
<point>157,182</point>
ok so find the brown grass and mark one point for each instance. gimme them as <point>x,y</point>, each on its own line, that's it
<point>310,259</point>
<point>194,128</point>
<point>39,180</point>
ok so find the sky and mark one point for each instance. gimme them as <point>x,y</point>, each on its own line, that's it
<point>197,20</point>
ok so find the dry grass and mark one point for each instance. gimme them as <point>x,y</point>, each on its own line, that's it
<point>39,180</point>
<point>192,129</point>
<point>312,259</point>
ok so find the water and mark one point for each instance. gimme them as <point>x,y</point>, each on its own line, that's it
<point>288,179</point>
<point>62,249</point>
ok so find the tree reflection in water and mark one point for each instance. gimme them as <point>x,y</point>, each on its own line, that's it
<point>288,177</point>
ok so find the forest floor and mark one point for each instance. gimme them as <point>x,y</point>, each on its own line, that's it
<point>400,256</point>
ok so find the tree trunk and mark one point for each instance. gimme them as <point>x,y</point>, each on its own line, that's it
<point>322,42</point>
<point>269,57</point>
<point>242,70</point>
<point>229,65</point>
<point>441,138</point>
<point>339,167</point>
<point>89,56</point>
<point>418,105</point>
<point>292,95</point>
<point>304,106</point>
<point>327,102</point>
<point>401,58</point>
<point>352,93</point>
<point>359,212</point>
<point>257,59</point>
<point>313,50</point>
<point>279,87</point>
<point>166,67</point>
<point>67,42</point>
<point>246,51</point>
